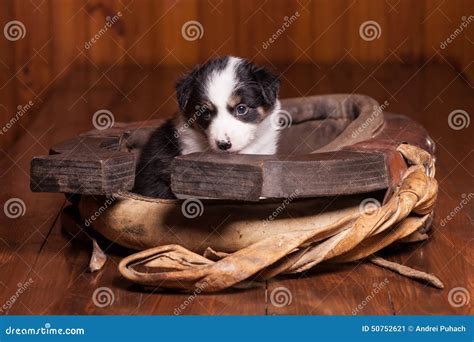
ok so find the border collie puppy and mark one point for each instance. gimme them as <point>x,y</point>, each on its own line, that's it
<point>227,105</point>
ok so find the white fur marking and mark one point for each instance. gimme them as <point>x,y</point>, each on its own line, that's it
<point>248,138</point>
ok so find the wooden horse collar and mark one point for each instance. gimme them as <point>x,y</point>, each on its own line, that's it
<point>331,145</point>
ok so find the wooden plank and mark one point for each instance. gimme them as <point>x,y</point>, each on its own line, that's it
<point>87,165</point>
<point>253,177</point>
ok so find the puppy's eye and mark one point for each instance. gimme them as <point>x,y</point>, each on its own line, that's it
<point>241,109</point>
<point>206,115</point>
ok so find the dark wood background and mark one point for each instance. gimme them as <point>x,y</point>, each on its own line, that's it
<point>149,33</point>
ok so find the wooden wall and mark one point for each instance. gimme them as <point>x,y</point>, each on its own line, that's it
<point>150,32</point>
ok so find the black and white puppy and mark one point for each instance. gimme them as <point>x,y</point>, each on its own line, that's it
<point>227,105</point>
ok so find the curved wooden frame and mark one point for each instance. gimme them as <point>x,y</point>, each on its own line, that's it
<point>362,158</point>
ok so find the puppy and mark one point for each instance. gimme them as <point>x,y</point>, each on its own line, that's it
<point>227,105</point>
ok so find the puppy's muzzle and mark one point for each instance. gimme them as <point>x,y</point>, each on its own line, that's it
<point>223,145</point>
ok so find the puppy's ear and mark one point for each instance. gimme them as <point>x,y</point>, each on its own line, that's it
<point>183,90</point>
<point>269,84</point>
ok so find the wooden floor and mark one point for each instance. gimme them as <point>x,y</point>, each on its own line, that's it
<point>51,270</point>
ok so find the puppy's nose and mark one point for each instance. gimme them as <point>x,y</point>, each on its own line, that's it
<point>224,145</point>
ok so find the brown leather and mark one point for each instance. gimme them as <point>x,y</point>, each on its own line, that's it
<point>344,238</point>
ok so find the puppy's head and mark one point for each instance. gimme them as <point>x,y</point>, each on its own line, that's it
<point>226,99</point>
